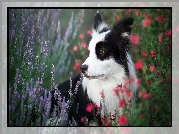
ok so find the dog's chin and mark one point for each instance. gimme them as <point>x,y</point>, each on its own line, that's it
<point>101,76</point>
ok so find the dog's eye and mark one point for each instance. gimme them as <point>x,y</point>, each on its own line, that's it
<point>101,51</point>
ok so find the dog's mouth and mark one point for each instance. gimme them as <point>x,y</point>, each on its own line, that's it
<point>94,76</point>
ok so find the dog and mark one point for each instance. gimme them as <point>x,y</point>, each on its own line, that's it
<point>107,75</point>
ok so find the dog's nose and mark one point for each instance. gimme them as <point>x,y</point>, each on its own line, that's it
<point>84,68</point>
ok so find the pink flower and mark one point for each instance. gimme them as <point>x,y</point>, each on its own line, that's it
<point>148,82</point>
<point>81,36</point>
<point>76,66</point>
<point>134,39</point>
<point>121,103</point>
<point>115,92</point>
<point>138,64</point>
<point>89,107</point>
<point>137,13</point>
<point>152,68</point>
<point>144,54</point>
<point>147,22</point>
<point>83,45</point>
<point>138,82</point>
<point>160,38</point>
<point>95,105</point>
<point>75,48</point>
<point>143,75</point>
<point>128,94</point>
<point>122,120</point>
<point>150,16</point>
<point>82,119</point>
<point>145,95</point>
<point>140,94</point>
<point>169,78</point>
<point>89,32</point>
<point>152,53</point>
<point>140,115</point>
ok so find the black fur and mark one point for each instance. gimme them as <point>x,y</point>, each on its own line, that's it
<point>115,46</point>
<point>97,20</point>
<point>78,107</point>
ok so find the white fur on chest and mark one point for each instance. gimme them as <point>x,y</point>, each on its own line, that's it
<point>95,87</point>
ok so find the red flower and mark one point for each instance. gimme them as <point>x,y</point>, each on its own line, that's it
<point>119,86</point>
<point>134,39</point>
<point>108,124</point>
<point>160,19</point>
<point>169,78</point>
<point>140,94</point>
<point>121,103</point>
<point>131,10</point>
<point>115,91</point>
<point>148,82</point>
<point>89,32</point>
<point>138,64</point>
<point>95,105</point>
<point>138,82</point>
<point>160,38</point>
<point>128,94</point>
<point>75,48</point>
<point>127,102</point>
<point>145,95</point>
<point>147,22</point>
<point>83,45</point>
<point>121,90</point>
<point>82,119</point>
<point>81,36</point>
<point>102,119</point>
<point>132,79</point>
<point>126,84</point>
<point>152,53</point>
<point>144,54</point>
<point>76,66</point>
<point>150,16</point>
<point>118,17</point>
<point>137,13</point>
<point>122,120</point>
<point>168,33</point>
<point>89,107</point>
<point>143,75</point>
<point>152,68</point>
<point>140,115</point>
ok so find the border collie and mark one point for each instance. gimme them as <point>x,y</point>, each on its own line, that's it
<point>107,82</point>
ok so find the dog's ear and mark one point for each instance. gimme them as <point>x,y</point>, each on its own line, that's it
<point>97,21</point>
<point>123,27</point>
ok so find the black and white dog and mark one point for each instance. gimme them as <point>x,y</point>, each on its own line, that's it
<point>109,67</point>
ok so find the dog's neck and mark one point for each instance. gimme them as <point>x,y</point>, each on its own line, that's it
<point>96,88</point>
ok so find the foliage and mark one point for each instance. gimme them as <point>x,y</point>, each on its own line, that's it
<point>46,47</point>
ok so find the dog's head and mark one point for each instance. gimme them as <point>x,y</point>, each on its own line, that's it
<point>108,48</point>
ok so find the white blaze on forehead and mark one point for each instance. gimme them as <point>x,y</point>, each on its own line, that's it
<point>96,38</point>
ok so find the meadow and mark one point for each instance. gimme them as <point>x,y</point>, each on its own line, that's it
<point>47,47</point>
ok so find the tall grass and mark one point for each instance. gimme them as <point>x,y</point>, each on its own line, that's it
<point>38,61</point>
